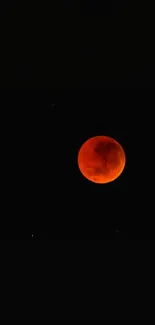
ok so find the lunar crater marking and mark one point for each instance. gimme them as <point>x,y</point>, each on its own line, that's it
<point>108,153</point>
<point>103,149</point>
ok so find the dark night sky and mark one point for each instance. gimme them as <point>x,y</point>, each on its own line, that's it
<point>69,73</point>
<point>77,44</point>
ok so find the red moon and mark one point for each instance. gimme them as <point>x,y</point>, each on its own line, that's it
<point>101,159</point>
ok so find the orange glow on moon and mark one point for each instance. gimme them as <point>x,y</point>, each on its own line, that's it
<point>101,159</point>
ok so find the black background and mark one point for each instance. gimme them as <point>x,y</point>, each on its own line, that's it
<point>77,44</point>
<point>69,72</point>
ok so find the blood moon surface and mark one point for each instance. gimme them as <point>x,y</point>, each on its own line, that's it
<point>101,159</point>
